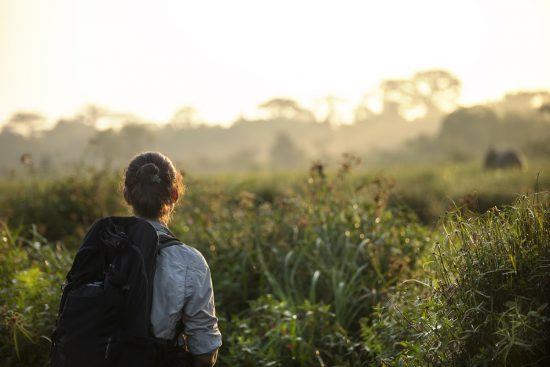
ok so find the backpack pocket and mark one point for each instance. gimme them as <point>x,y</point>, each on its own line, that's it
<point>83,333</point>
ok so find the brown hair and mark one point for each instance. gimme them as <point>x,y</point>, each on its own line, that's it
<point>152,185</point>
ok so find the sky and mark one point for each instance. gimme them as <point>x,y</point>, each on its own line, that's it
<point>225,57</point>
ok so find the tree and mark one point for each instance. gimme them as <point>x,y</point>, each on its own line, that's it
<point>185,118</point>
<point>286,109</point>
<point>437,91</point>
<point>114,146</point>
<point>136,137</point>
<point>363,112</point>
<point>25,123</point>
<point>331,116</point>
<point>106,145</point>
<point>525,101</point>
<point>91,114</point>
<point>285,153</point>
<point>101,118</point>
<point>398,97</point>
<point>428,93</point>
<point>470,130</point>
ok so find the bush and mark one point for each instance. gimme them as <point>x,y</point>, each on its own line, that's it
<point>319,244</point>
<point>327,270</point>
<point>486,303</point>
<point>64,208</point>
<point>31,272</point>
<point>275,333</point>
<point>306,250</point>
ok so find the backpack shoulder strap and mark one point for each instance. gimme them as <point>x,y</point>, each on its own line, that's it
<point>167,241</point>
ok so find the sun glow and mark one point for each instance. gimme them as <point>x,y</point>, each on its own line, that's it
<point>223,58</point>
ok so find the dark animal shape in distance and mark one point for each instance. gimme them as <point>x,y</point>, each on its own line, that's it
<point>26,159</point>
<point>504,159</point>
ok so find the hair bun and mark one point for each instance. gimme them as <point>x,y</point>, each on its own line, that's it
<point>147,171</point>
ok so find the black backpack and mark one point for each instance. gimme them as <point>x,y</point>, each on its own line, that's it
<point>104,313</point>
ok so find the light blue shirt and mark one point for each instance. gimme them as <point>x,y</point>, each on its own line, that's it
<point>183,289</point>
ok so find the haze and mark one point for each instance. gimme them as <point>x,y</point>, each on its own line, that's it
<point>152,57</point>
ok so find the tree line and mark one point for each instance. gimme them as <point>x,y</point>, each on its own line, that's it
<point>411,119</point>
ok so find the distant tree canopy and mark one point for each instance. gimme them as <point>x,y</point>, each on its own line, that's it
<point>469,127</point>
<point>525,100</point>
<point>331,111</point>
<point>25,123</point>
<point>468,133</point>
<point>99,117</point>
<point>285,153</point>
<point>115,146</point>
<point>91,114</point>
<point>363,112</point>
<point>288,109</point>
<point>185,118</point>
<point>428,93</point>
<point>387,122</point>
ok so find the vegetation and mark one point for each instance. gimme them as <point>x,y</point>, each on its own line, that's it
<point>483,299</point>
<point>417,121</point>
<point>31,273</point>
<point>333,268</point>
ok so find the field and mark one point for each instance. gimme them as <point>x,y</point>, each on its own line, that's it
<point>411,266</point>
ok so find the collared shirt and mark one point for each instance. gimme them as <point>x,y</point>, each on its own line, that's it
<point>183,290</point>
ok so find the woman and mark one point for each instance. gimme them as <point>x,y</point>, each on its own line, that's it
<point>183,293</point>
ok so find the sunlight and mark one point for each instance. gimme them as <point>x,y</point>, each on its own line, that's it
<point>224,58</point>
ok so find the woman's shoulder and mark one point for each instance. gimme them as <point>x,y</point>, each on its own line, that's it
<point>186,255</point>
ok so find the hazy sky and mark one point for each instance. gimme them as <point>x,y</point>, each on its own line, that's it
<point>225,57</point>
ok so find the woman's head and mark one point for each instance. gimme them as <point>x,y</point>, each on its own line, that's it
<point>152,185</point>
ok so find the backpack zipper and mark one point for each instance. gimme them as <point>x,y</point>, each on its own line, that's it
<point>107,348</point>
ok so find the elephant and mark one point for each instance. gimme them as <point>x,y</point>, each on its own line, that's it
<point>504,159</point>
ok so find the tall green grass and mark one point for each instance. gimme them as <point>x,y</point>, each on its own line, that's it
<point>485,301</point>
<point>316,269</point>
<point>31,272</point>
<point>326,255</point>
<point>288,258</point>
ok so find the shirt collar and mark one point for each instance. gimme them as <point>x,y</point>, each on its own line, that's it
<point>157,224</point>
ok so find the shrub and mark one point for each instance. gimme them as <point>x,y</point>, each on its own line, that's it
<point>486,303</point>
<point>327,270</point>
<point>306,250</point>
<point>30,274</point>
<point>275,333</point>
<point>63,208</point>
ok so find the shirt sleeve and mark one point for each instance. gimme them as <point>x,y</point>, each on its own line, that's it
<point>199,311</point>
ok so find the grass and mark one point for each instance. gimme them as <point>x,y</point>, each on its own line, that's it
<point>494,273</point>
<point>336,268</point>
<point>483,299</point>
<point>31,271</point>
